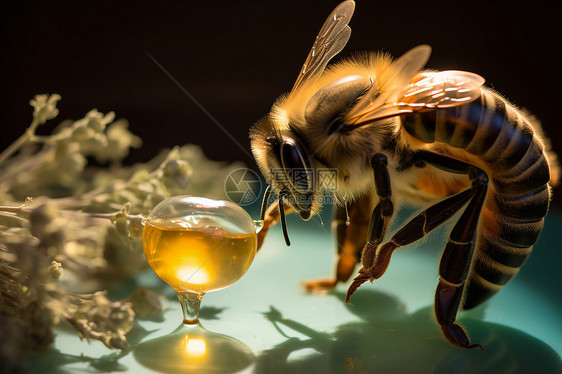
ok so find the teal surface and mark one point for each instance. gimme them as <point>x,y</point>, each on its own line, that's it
<point>389,328</point>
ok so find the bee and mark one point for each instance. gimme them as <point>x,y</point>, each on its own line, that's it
<point>390,133</point>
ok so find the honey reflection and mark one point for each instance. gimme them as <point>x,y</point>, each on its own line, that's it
<point>194,349</point>
<point>192,275</point>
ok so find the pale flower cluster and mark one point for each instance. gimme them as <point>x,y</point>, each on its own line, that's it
<point>44,108</point>
<point>64,226</point>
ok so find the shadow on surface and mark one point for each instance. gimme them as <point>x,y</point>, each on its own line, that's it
<point>388,340</point>
<point>54,361</point>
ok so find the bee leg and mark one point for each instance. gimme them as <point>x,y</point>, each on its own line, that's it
<point>379,222</point>
<point>455,263</point>
<point>415,229</point>
<point>350,241</point>
<point>375,262</point>
<point>271,217</point>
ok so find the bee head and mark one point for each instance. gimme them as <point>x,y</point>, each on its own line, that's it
<point>289,171</point>
<point>296,175</point>
<point>284,160</point>
<point>290,144</point>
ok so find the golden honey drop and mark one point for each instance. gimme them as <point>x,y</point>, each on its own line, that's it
<point>197,260</point>
<point>198,245</point>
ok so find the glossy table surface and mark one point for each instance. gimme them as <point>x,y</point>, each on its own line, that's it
<point>267,323</point>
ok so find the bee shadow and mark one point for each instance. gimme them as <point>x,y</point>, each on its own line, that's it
<point>387,339</point>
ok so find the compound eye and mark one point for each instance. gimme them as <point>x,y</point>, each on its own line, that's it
<point>295,167</point>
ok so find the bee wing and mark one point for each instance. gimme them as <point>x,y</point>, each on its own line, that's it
<point>399,74</point>
<point>331,39</point>
<point>430,91</point>
<point>444,89</point>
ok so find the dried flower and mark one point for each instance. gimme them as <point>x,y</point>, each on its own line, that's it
<point>55,270</point>
<point>44,107</point>
<point>81,225</point>
<point>98,318</point>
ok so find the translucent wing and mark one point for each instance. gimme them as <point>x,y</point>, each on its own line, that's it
<point>432,90</point>
<point>331,39</point>
<point>429,91</point>
<point>398,76</point>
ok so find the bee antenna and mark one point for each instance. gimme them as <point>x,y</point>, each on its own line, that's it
<point>264,202</point>
<point>283,195</point>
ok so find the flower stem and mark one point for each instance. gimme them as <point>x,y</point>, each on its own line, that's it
<point>24,138</point>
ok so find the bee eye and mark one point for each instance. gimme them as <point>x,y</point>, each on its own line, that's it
<point>295,167</point>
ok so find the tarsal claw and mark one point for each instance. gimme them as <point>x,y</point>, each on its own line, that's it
<point>363,276</point>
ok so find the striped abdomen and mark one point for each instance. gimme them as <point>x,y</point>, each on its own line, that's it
<point>499,139</point>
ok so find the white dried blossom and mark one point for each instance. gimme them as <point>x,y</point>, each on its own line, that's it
<point>55,270</point>
<point>101,319</point>
<point>97,135</point>
<point>119,141</point>
<point>44,107</point>
<point>94,120</point>
<point>178,173</point>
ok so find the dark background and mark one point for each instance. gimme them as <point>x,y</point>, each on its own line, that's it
<point>236,57</point>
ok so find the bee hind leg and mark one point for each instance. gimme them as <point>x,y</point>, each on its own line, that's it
<point>455,264</point>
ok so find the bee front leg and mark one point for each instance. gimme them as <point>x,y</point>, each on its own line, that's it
<point>350,239</point>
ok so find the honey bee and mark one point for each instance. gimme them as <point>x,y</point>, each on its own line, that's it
<point>390,133</point>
